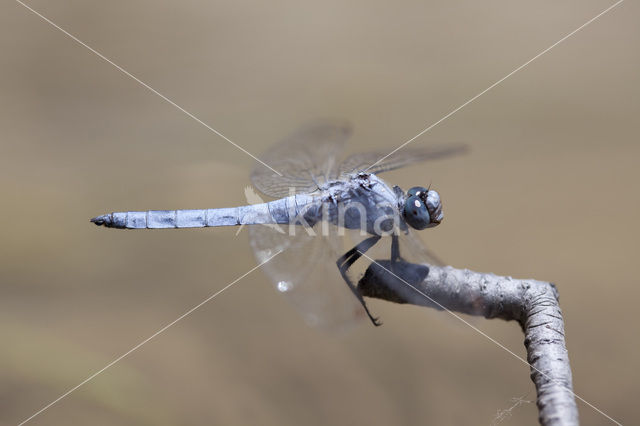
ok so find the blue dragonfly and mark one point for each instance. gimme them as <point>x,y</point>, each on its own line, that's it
<point>326,214</point>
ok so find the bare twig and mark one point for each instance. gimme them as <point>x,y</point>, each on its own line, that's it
<point>534,304</point>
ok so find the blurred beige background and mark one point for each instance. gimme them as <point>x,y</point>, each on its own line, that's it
<point>549,191</point>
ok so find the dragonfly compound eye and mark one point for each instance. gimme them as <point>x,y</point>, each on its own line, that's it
<point>416,213</point>
<point>434,206</point>
<point>417,191</point>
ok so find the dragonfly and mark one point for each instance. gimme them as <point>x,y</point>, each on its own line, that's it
<point>325,215</point>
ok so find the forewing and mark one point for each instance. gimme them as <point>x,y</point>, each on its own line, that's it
<point>412,249</point>
<point>380,161</point>
<point>306,273</point>
<point>305,159</point>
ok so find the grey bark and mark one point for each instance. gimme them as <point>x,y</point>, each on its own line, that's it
<point>533,304</point>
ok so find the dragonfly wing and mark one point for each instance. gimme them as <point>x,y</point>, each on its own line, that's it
<point>307,274</point>
<point>412,249</point>
<point>305,159</point>
<point>380,161</point>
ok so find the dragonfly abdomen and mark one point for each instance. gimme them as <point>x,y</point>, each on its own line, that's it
<point>265,213</point>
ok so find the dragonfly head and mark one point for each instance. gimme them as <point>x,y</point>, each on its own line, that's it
<point>422,208</point>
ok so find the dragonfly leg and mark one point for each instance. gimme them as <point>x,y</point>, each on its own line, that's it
<point>395,252</point>
<point>395,249</point>
<point>349,258</point>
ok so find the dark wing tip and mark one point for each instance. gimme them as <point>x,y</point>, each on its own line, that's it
<point>462,147</point>
<point>456,148</point>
